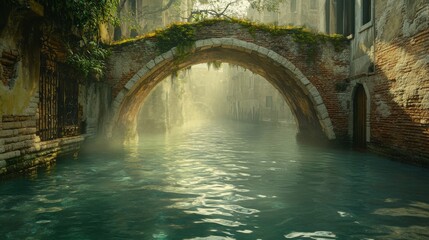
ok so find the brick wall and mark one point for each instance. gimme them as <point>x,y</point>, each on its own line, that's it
<point>400,106</point>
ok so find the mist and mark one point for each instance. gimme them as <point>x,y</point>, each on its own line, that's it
<point>212,92</point>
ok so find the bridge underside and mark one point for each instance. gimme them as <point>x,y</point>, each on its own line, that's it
<point>284,80</point>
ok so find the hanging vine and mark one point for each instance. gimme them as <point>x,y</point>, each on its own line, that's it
<point>82,18</point>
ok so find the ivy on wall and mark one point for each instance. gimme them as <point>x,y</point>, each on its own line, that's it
<point>83,18</point>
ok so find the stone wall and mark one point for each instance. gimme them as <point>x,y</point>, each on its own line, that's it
<point>21,150</point>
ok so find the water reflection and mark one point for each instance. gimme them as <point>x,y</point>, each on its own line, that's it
<point>197,184</point>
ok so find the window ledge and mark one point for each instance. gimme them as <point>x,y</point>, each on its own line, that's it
<point>365,26</point>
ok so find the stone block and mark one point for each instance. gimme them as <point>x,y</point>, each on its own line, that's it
<point>3,163</point>
<point>322,112</point>
<point>151,64</point>
<point>330,133</point>
<point>271,54</point>
<point>158,59</point>
<point>199,44</point>
<point>132,81</point>
<point>9,155</point>
<point>207,43</point>
<point>318,100</point>
<point>253,47</point>
<point>142,72</point>
<point>236,42</point>
<point>129,84</point>
<point>216,42</point>
<point>174,51</point>
<point>18,145</point>
<point>263,51</point>
<point>6,133</point>
<point>226,41</point>
<point>14,139</point>
<point>120,96</point>
<point>313,91</point>
<point>245,46</point>
<point>168,55</point>
<point>11,125</point>
<point>304,80</point>
<point>29,123</point>
<point>287,64</point>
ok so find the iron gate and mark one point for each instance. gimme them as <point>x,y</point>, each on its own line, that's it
<point>58,107</point>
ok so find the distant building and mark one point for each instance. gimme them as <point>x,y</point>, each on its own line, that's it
<point>138,17</point>
<point>309,13</point>
<point>252,98</point>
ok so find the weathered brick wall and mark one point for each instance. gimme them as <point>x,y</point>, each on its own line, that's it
<point>399,89</point>
<point>400,106</point>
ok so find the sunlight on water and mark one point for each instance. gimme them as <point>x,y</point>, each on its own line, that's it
<point>220,180</point>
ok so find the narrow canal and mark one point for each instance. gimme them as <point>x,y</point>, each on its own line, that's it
<point>220,180</point>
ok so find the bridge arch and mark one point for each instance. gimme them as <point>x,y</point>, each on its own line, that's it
<point>301,95</point>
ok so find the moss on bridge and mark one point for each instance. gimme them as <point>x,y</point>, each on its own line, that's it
<point>183,35</point>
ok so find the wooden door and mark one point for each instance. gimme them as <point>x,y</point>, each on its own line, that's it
<point>359,117</point>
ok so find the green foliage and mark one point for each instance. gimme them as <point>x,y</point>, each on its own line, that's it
<point>215,64</point>
<point>89,60</point>
<point>83,17</point>
<point>181,36</point>
<point>82,14</point>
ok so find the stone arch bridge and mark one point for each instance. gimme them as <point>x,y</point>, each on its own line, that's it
<point>307,69</point>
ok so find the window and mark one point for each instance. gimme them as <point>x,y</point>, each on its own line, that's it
<point>268,101</point>
<point>366,11</point>
<point>293,6</point>
<point>133,6</point>
<point>314,4</point>
<point>345,17</point>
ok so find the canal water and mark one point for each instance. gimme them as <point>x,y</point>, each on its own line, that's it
<point>219,180</point>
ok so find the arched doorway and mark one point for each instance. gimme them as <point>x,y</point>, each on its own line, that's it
<point>359,117</point>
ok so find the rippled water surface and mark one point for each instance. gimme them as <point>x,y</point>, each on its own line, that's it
<point>220,181</point>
